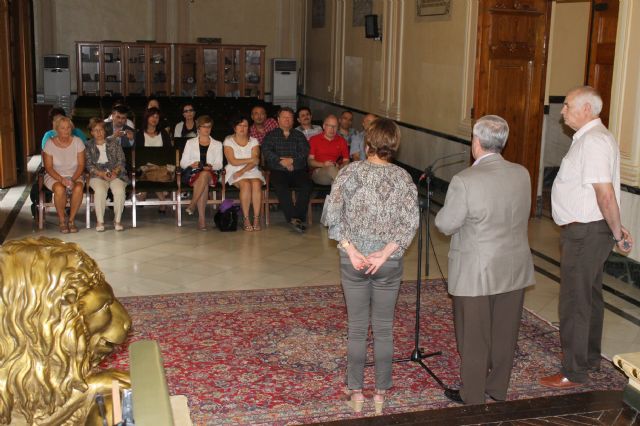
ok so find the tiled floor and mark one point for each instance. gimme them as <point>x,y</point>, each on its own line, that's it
<point>159,258</point>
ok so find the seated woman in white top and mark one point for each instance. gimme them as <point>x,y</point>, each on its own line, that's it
<point>202,156</point>
<point>63,158</point>
<point>187,127</point>
<point>243,157</point>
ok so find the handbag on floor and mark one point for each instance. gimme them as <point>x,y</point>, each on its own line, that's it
<point>226,218</point>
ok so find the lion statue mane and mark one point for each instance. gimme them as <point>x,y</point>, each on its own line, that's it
<point>58,320</point>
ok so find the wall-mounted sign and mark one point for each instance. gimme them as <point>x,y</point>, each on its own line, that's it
<point>433,7</point>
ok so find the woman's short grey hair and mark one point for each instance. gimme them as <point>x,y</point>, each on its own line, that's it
<point>587,95</point>
<point>492,131</point>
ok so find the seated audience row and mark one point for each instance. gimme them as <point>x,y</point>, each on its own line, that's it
<point>287,153</point>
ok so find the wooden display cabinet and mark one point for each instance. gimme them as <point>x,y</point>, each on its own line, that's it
<point>219,70</point>
<point>89,69</point>
<point>100,69</point>
<point>144,69</point>
<point>116,69</point>
<point>112,70</point>
<point>136,60</point>
<point>148,69</point>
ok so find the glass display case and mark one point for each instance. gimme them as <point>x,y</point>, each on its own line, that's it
<point>186,70</point>
<point>210,70</point>
<point>89,69</point>
<point>113,70</point>
<point>136,69</point>
<point>231,72</point>
<point>253,72</point>
<point>144,69</point>
<point>159,69</point>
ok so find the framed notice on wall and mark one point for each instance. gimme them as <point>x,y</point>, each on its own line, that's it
<point>433,7</point>
<point>317,14</point>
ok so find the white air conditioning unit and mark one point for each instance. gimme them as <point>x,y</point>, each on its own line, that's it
<point>57,81</point>
<point>285,82</point>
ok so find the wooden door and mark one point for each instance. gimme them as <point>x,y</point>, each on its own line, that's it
<point>8,172</point>
<point>23,78</point>
<point>511,57</point>
<point>602,46</point>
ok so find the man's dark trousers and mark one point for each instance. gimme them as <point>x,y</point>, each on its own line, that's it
<point>585,248</point>
<point>283,182</point>
<point>487,334</point>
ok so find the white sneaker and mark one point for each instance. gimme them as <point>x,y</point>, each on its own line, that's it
<point>100,227</point>
<point>118,227</point>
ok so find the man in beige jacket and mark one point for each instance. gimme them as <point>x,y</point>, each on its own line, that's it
<point>486,212</point>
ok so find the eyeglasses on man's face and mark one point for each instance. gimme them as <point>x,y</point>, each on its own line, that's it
<point>188,110</point>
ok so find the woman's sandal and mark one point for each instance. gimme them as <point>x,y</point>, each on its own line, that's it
<point>64,229</point>
<point>73,228</point>
<point>246,224</point>
<point>256,223</point>
<point>378,400</point>
<point>356,399</point>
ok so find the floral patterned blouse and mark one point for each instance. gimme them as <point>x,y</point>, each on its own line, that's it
<point>371,205</point>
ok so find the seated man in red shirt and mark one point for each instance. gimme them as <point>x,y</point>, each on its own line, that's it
<point>328,152</point>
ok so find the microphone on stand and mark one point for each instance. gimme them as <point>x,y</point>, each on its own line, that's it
<point>429,169</point>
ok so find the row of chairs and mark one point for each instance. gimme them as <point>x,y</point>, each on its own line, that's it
<point>218,194</point>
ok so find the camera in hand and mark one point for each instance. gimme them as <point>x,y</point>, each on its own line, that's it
<point>198,168</point>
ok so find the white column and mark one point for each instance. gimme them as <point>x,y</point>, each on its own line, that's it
<point>337,49</point>
<point>624,119</point>
<point>392,31</point>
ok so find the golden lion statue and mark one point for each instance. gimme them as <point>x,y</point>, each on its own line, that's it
<point>58,320</point>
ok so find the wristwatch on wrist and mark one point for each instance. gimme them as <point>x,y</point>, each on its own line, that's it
<point>615,239</point>
<point>345,244</point>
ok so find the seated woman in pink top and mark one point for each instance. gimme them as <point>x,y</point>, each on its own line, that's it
<point>63,158</point>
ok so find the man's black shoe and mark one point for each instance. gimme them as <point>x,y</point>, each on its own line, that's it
<point>453,395</point>
<point>297,226</point>
<point>492,398</point>
<point>300,224</point>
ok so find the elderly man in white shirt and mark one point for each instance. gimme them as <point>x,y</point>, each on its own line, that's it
<point>585,202</point>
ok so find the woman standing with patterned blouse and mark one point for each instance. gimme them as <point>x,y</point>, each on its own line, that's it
<point>372,212</point>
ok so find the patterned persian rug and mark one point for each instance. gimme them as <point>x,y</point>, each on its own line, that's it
<point>279,356</point>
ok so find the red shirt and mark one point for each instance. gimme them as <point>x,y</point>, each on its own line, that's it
<point>269,125</point>
<point>324,149</point>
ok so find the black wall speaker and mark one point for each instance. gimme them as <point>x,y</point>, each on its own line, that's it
<point>371,26</point>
